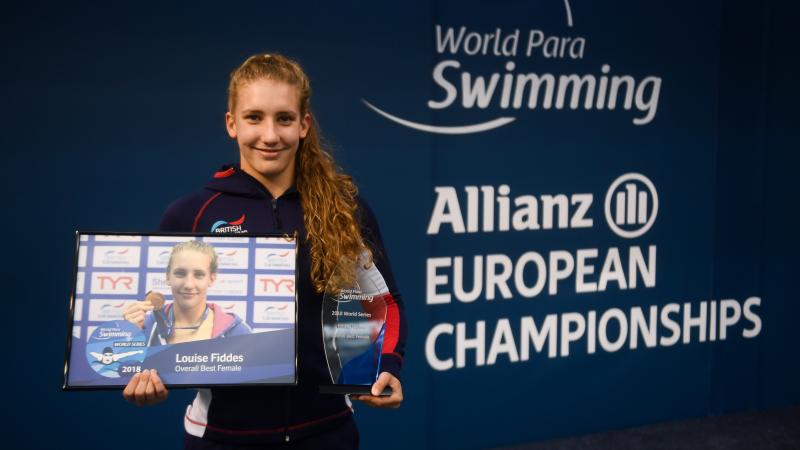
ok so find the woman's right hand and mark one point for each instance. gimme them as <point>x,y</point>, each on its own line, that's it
<point>145,388</point>
<point>135,312</point>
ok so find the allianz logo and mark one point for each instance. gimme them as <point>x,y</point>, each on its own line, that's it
<point>630,209</point>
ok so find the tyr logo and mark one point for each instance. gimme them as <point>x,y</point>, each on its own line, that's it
<point>271,285</point>
<point>125,281</point>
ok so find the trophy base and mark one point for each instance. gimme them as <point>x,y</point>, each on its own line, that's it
<point>359,389</point>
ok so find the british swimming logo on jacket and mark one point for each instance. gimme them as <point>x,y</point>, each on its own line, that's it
<point>222,226</point>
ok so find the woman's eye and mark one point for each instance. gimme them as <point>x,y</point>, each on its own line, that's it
<point>199,274</point>
<point>285,119</point>
<point>179,273</point>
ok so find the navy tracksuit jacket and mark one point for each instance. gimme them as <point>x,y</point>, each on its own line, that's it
<point>233,201</point>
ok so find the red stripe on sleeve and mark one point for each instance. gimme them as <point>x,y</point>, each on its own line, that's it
<point>392,333</point>
<point>203,209</point>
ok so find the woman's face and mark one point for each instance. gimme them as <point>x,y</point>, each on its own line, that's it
<point>267,125</point>
<point>190,277</point>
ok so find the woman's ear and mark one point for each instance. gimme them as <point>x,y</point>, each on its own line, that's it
<point>230,125</point>
<point>305,124</point>
<point>213,277</point>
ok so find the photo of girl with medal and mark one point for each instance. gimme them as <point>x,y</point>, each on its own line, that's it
<point>284,182</point>
<point>191,271</point>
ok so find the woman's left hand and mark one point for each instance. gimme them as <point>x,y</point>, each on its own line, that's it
<point>375,400</point>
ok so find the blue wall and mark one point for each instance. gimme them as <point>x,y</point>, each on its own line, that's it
<point>112,111</point>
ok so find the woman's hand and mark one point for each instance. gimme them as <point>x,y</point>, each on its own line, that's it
<point>145,388</point>
<point>375,400</point>
<point>135,312</point>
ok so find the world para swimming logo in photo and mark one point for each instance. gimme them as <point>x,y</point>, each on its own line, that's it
<point>224,226</point>
<point>116,349</point>
<point>496,75</point>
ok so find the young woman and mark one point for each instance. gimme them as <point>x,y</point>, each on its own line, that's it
<point>191,270</point>
<point>285,182</point>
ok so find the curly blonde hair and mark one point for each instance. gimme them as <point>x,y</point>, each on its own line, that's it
<point>327,195</point>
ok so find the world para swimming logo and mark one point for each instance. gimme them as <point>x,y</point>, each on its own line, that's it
<point>491,75</point>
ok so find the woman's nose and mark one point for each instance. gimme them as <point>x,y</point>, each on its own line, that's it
<point>269,134</point>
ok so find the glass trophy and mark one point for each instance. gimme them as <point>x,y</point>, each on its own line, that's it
<point>353,326</point>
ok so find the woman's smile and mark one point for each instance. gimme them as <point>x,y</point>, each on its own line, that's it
<point>269,153</point>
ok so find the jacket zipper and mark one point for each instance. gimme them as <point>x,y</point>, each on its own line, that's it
<point>276,220</point>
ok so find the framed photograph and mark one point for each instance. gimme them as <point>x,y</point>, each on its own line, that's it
<point>202,309</point>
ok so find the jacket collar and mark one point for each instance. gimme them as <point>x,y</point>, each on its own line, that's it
<point>231,179</point>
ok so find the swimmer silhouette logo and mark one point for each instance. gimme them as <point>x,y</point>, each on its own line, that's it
<point>116,349</point>
<point>514,91</point>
